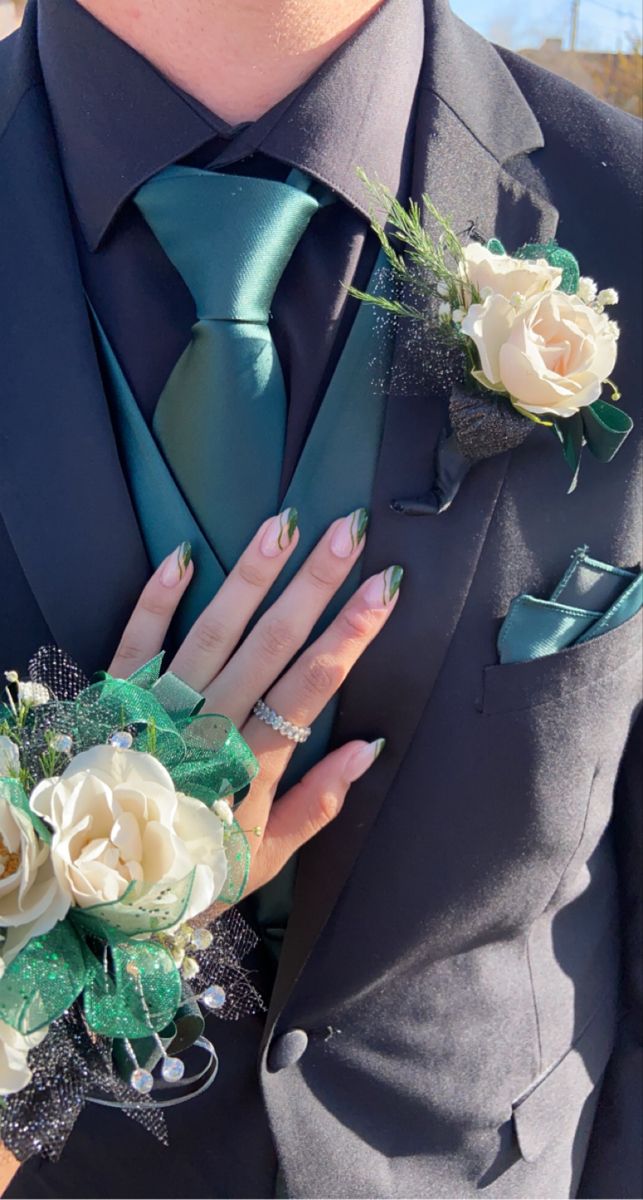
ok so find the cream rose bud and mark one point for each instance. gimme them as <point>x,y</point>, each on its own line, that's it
<point>223,811</point>
<point>557,355</point>
<point>31,899</point>
<point>14,1067</point>
<point>506,276</point>
<point>117,819</point>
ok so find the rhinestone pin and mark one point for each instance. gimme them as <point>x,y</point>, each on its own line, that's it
<point>63,743</point>
<point>214,997</point>
<point>122,740</point>
<point>202,939</point>
<point>172,1070</point>
<point>142,1081</point>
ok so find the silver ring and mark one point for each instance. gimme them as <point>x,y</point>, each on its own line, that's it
<point>294,733</point>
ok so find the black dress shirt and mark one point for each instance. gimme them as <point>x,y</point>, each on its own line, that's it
<point>118,121</point>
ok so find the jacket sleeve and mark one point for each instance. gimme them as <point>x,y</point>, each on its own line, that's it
<point>614,1164</point>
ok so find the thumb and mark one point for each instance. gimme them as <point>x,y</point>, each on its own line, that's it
<point>316,800</point>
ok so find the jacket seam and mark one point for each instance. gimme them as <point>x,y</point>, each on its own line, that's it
<point>31,87</point>
<point>534,1002</point>
<point>590,792</point>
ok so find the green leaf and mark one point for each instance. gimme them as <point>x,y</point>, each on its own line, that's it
<point>189,1025</point>
<point>496,246</point>
<point>606,428</point>
<point>570,434</point>
<point>43,980</point>
<point>481,378</point>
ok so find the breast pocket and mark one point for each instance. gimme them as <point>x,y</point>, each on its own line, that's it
<point>564,677</point>
<point>550,740</point>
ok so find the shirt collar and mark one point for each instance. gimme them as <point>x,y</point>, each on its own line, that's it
<point>118,120</point>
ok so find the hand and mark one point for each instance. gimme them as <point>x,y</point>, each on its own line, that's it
<point>233,672</point>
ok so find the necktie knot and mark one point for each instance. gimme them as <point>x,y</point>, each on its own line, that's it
<point>230,237</point>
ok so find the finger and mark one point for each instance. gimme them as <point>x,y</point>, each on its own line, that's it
<point>312,804</point>
<point>146,629</point>
<point>312,681</point>
<point>220,627</point>
<point>287,625</point>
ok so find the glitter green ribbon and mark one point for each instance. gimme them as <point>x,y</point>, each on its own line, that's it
<point>129,987</point>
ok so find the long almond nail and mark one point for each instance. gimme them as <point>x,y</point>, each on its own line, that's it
<point>176,565</point>
<point>349,534</point>
<point>359,763</point>
<point>279,533</point>
<point>382,589</point>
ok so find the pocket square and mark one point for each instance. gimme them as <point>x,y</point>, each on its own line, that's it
<point>591,598</point>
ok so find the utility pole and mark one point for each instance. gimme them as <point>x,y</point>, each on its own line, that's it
<point>573,33</point>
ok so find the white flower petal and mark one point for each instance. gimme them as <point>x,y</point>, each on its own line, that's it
<point>126,835</point>
<point>489,325</point>
<point>30,896</point>
<point>506,276</point>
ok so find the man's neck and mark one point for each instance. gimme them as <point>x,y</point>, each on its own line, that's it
<point>238,57</point>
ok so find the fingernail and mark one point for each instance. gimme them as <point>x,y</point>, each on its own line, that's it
<point>359,763</point>
<point>383,588</point>
<point>176,565</point>
<point>349,534</point>
<point>279,533</point>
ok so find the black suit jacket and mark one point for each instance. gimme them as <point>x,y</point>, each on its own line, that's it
<point>459,969</point>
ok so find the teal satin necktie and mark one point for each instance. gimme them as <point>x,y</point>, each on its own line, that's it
<point>221,418</point>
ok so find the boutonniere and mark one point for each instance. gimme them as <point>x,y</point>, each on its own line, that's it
<point>532,344</point>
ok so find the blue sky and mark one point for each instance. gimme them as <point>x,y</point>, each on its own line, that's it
<point>604,24</point>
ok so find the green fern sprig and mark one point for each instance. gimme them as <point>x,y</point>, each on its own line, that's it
<point>423,262</point>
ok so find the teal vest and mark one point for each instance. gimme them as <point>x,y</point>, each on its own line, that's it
<point>334,476</point>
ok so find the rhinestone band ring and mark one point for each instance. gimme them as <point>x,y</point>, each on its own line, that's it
<point>295,733</point>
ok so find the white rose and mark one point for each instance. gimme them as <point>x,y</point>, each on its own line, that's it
<point>506,276</point>
<point>9,757</point>
<point>551,356</point>
<point>31,900</point>
<point>14,1048</point>
<point>558,355</point>
<point>118,819</point>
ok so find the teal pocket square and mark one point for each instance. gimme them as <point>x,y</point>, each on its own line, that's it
<point>591,598</point>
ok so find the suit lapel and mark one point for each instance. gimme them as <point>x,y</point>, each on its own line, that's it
<point>389,690</point>
<point>63,496</point>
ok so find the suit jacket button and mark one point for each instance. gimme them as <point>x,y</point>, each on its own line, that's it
<point>287,1049</point>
